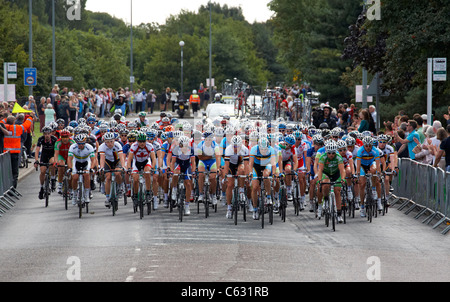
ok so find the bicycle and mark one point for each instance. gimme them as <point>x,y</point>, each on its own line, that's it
<point>114,190</point>
<point>206,195</point>
<point>283,198</point>
<point>142,197</point>
<point>264,206</point>
<point>384,199</point>
<point>370,202</point>
<point>181,194</point>
<point>329,205</point>
<point>239,200</point>
<point>47,189</point>
<point>81,200</point>
<point>65,186</point>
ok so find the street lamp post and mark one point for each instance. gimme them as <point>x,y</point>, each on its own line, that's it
<point>182,92</point>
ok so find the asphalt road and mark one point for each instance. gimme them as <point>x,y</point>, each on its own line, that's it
<point>53,244</point>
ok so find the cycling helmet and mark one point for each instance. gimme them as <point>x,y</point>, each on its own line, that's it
<point>109,136</point>
<point>282,126</point>
<point>207,134</point>
<point>80,138</point>
<point>60,121</point>
<point>350,141</point>
<point>341,144</point>
<point>143,113</point>
<point>323,126</point>
<point>318,139</point>
<point>297,134</point>
<point>264,143</point>
<point>383,138</point>
<point>64,133</point>
<point>331,147</point>
<point>183,141</point>
<point>91,119</point>
<point>53,125</point>
<point>141,137</point>
<point>367,133</point>
<point>236,140</point>
<point>367,141</point>
<point>196,134</point>
<point>290,139</point>
<point>73,124</point>
<point>132,137</point>
<point>47,130</point>
<point>326,134</point>
<point>81,121</point>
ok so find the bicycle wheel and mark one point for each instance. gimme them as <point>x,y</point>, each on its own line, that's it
<point>47,188</point>
<point>261,209</point>
<point>243,203</point>
<point>283,203</point>
<point>181,201</point>
<point>235,205</point>
<point>326,211</point>
<point>141,201</point>
<point>206,201</point>
<point>333,211</point>
<point>66,192</point>
<point>112,198</point>
<point>149,202</point>
<point>80,201</point>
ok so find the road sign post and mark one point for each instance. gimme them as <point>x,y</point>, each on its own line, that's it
<point>30,77</point>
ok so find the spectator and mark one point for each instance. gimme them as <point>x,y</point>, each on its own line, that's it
<point>41,114</point>
<point>402,152</point>
<point>50,114</point>
<point>409,140</point>
<point>418,118</point>
<point>139,100</point>
<point>165,97</point>
<point>447,116</point>
<point>73,108</point>
<point>364,117</point>
<point>201,93</point>
<point>65,111</point>
<point>31,104</point>
<point>151,99</point>
<point>373,113</point>
<point>444,150</point>
<point>423,152</point>
<point>173,98</point>
<point>12,142</point>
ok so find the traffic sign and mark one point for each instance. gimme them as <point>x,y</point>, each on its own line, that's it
<point>439,69</point>
<point>12,70</point>
<point>30,76</point>
<point>64,79</point>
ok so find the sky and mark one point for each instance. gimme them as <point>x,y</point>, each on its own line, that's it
<point>148,11</point>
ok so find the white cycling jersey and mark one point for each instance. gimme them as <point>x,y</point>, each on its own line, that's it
<point>111,154</point>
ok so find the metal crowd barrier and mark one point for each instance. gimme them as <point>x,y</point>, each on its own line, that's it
<point>424,188</point>
<point>8,193</point>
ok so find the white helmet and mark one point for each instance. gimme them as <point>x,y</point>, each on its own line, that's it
<point>236,140</point>
<point>108,136</point>
<point>330,147</point>
<point>194,91</point>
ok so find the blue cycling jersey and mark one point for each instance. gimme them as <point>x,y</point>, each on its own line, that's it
<point>263,160</point>
<point>367,158</point>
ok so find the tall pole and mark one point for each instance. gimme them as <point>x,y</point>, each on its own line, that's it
<point>30,47</point>
<point>53,46</point>
<point>364,77</point>
<point>210,54</point>
<point>429,91</point>
<point>182,92</point>
<point>131,49</point>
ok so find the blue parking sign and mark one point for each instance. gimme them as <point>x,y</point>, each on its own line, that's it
<point>30,75</point>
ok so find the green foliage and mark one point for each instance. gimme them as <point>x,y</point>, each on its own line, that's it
<point>309,34</point>
<point>96,50</point>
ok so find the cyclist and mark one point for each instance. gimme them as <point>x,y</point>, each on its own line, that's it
<point>111,158</point>
<point>80,158</point>
<point>348,164</point>
<point>236,163</point>
<point>62,147</point>
<point>301,149</point>
<point>310,160</point>
<point>208,155</point>
<point>142,121</point>
<point>386,152</point>
<point>47,143</point>
<point>368,160</point>
<point>331,169</point>
<point>182,160</point>
<point>289,163</point>
<point>165,148</point>
<point>152,138</point>
<point>141,157</point>
<point>263,160</point>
